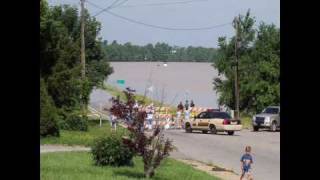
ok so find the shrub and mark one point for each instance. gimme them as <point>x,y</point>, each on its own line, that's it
<point>111,151</point>
<point>153,147</point>
<point>48,113</point>
<point>74,121</point>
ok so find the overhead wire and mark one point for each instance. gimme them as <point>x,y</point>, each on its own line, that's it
<point>119,4</point>
<point>161,4</point>
<point>106,10</point>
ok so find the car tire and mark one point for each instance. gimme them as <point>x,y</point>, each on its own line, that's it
<point>230,133</point>
<point>255,128</point>
<point>213,129</point>
<point>204,131</point>
<point>188,128</point>
<point>273,126</point>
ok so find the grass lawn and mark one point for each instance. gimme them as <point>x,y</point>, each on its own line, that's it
<point>79,166</point>
<point>246,122</point>
<point>82,138</point>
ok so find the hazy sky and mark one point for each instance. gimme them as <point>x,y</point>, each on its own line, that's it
<point>200,13</point>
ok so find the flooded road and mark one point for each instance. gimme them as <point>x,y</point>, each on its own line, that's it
<point>176,82</point>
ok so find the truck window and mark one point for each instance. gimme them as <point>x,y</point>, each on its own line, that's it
<point>271,111</point>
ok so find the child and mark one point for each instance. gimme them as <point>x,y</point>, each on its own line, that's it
<point>150,112</point>
<point>113,122</point>
<point>246,161</point>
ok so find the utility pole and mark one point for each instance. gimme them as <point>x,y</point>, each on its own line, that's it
<point>236,77</point>
<point>83,57</point>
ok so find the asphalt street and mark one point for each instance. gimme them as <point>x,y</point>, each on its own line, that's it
<point>225,151</point>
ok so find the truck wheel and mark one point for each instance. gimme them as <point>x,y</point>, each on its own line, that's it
<point>204,131</point>
<point>213,129</point>
<point>255,128</point>
<point>188,128</point>
<point>230,133</point>
<point>274,126</point>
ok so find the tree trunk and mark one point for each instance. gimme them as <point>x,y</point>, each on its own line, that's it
<point>149,172</point>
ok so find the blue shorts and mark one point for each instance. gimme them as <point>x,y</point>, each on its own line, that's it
<point>149,121</point>
<point>246,170</point>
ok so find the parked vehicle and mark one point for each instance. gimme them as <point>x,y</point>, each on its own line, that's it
<point>213,121</point>
<point>268,118</point>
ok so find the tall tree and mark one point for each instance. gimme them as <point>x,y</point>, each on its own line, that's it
<point>60,55</point>
<point>259,59</point>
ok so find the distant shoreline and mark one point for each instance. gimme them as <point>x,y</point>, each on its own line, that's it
<point>166,61</point>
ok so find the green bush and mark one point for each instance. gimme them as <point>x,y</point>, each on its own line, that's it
<point>74,121</point>
<point>111,151</point>
<point>48,113</point>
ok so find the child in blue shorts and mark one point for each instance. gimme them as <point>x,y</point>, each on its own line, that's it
<point>246,161</point>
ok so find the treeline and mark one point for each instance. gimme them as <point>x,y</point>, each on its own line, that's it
<point>158,52</point>
<point>63,93</point>
<point>259,66</point>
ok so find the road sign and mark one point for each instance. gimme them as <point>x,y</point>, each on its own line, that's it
<point>121,81</point>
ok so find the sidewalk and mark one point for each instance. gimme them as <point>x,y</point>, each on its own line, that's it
<point>61,148</point>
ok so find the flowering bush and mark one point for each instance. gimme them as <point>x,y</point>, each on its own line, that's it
<point>153,147</point>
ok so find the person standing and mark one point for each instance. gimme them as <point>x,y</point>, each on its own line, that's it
<point>136,105</point>
<point>192,104</point>
<point>186,115</point>
<point>113,120</point>
<point>246,161</point>
<point>179,114</point>
<point>150,112</point>
<point>180,106</point>
<point>186,106</point>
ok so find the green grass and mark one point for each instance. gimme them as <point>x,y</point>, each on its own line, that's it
<point>80,137</point>
<point>246,120</point>
<point>79,166</point>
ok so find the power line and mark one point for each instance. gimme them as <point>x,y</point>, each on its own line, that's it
<point>109,7</point>
<point>119,4</point>
<point>155,26</point>
<point>161,4</point>
<point>166,28</point>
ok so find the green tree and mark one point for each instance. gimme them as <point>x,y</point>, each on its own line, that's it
<point>259,60</point>
<point>225,61</point>
<point>48,113</point>
<point>158,52</point>
<point>60,56</point>
<point>263,84</point>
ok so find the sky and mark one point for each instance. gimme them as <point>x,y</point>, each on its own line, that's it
<point>192,14</point>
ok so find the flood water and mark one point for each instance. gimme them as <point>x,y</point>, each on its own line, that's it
<point>176,82</point>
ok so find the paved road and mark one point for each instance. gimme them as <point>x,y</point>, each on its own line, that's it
<point>61,148</point>
<point>99,97</point>
<point>222,150</point>
<point>225,151</point>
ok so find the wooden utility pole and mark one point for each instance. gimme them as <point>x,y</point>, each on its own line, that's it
<point>236,77</point>
<point>83,56</point>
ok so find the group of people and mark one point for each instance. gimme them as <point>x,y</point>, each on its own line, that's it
<point>150,110</point>
<point>186,109</point>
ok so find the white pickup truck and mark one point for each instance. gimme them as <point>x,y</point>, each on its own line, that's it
<point>269,118</point>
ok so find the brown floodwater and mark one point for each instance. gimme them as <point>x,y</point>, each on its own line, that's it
<point>173,83</point>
